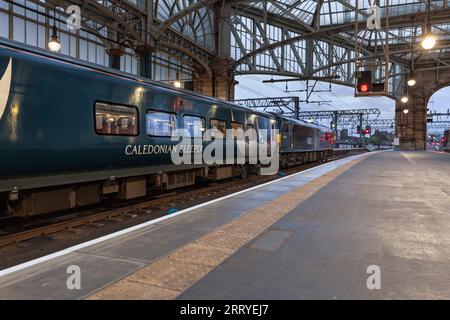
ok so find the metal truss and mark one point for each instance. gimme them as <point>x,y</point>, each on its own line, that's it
<point>348,114</point>
<point>339,118</point>
<point>317,38</point>
<point>439,125</point>
<point>175,28</point>
<point>294,38</point>
<point>375,124</point>
<point>289,106</point>
<point>439,121</point>
<point>438,116</point>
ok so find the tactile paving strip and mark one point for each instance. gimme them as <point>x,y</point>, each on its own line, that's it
<point>174,273</point>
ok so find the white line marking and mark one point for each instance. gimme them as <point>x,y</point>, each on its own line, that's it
<point>83,245</point>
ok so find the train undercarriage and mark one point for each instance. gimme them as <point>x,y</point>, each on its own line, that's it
<point>37,201</point>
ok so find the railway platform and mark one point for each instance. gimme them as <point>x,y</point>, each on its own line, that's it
<point>322,233</point>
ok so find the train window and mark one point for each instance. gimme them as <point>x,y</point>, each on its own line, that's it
<point>264,130</point>
<point>194,125</point>
<point>117,120</point>
<point>220,126</point>
<point>310,137</point>
<point>160,124</point>
<point>238,130</point>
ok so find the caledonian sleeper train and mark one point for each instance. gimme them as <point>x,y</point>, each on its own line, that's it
<point>74,134</point>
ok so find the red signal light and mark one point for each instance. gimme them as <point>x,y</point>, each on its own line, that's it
<point>363,81</point>
<point>364,87</point>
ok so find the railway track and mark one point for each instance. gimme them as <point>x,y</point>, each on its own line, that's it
<point>150,209</point>
<point>163,203</point>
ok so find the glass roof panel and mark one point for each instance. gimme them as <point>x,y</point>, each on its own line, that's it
<point>334,12</point>
<point>197,25</point>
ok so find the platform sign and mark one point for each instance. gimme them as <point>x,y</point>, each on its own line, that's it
<point>396,142</point>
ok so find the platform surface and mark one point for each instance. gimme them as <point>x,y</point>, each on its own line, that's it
<point>391,210</point>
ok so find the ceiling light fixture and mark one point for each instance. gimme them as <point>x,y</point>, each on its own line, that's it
<point>429,39</point>
<point>54,44</point>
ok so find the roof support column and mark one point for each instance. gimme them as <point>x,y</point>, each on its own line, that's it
<point>411,127</point>
<point>144,55</point>
<point>115,52</point>
<point>114,57</point>
<point>222,28</point>
<point>309,55</point>
<point>220,83</point>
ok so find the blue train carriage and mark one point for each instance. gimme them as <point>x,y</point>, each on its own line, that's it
<point>77,133</point>
<point>302,142</point>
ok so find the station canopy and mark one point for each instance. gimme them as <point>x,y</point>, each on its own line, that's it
<point>320,37</point>
<point>294,38</point>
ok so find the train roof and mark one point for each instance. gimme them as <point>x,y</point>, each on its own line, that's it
<point>14,45</point>
<point>301,122</point>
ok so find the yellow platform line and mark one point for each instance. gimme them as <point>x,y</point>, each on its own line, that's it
<point>174,273</point>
